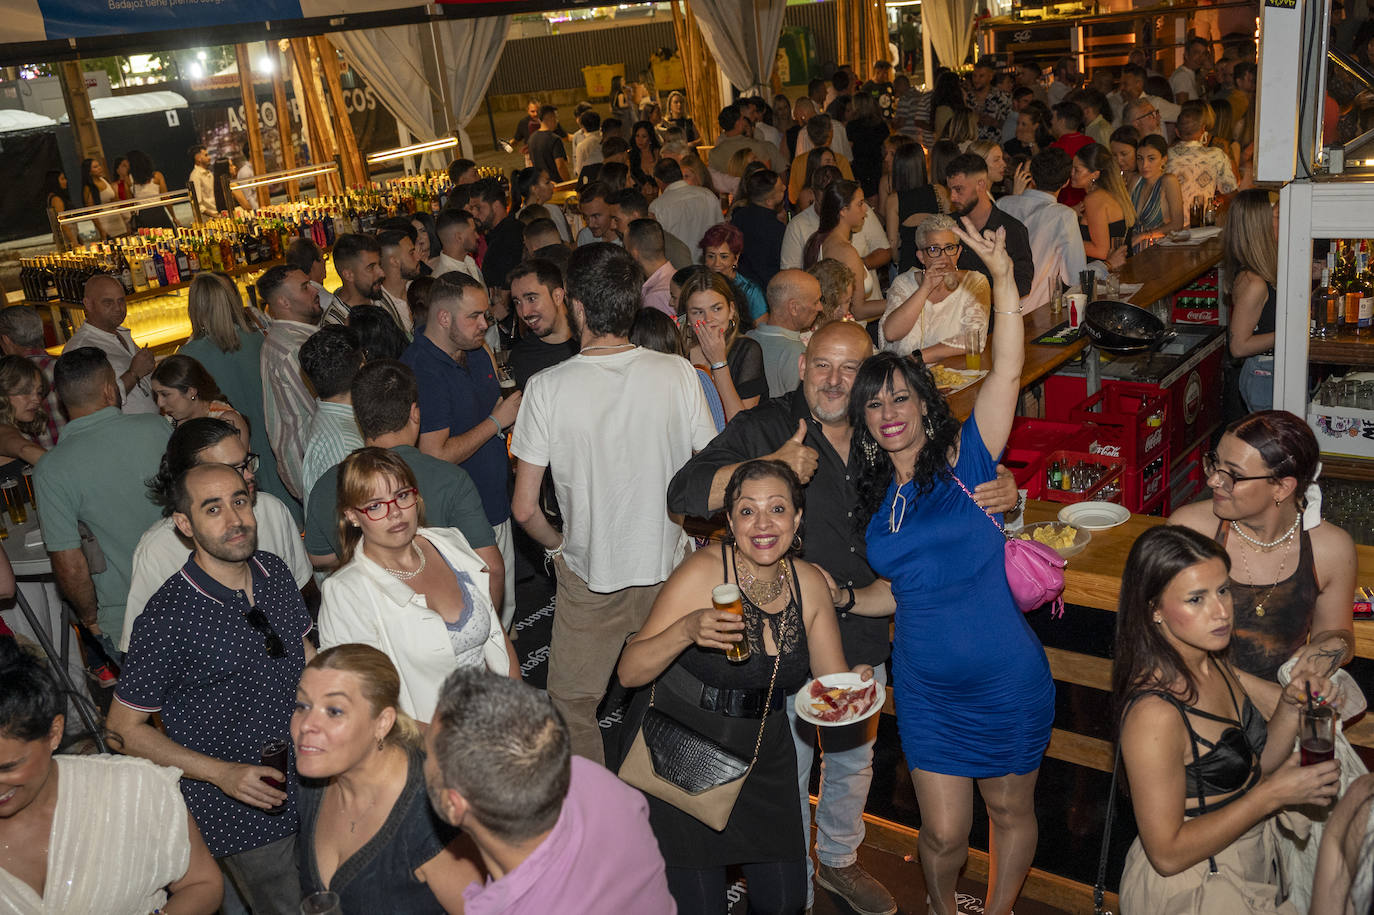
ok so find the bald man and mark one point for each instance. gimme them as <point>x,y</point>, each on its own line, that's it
<point>794,304</point>
<point>808,429</point>
<point>103,302</point>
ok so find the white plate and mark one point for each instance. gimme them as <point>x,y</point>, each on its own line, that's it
<point>802,703</point>
<point>1094,516</point>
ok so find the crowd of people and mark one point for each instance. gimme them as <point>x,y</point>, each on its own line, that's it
<point>345,711</point>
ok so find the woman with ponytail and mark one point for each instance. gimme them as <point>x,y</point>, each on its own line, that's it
<point>842,209</point>
<point>367,831</point>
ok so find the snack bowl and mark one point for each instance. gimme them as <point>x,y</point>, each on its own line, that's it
<point>1081,536</point>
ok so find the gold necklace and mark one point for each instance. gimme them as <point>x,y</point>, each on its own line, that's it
<point>1245,561</point>
<point>761,593</point>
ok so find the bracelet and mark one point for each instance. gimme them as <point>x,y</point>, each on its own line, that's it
<point>1016,312</point>
<point>719,365</point>
<point>499,430</point>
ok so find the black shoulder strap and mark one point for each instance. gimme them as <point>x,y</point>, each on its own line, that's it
<point>1100,887</point>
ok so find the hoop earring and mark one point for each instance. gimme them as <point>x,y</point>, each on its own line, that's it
<point>796,544</point>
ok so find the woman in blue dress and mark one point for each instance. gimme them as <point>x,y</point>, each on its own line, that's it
<point>972,686</point>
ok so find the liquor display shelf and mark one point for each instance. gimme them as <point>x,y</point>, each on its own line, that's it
<point>160,290</point>
<point>1344,348</point>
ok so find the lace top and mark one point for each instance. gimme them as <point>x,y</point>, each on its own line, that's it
<point>469,634</point>
<point>785,628</point>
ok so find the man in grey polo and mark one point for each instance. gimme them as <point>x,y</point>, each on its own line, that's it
<point>794,303</point>
<point>94,475</point>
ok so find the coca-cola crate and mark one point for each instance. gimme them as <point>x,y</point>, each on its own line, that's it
<point>1031,440</point>
<point>1143,489</point>
<point>1133,418</point>
<point>1199,302</point>
<point>1186,478</point>
<point>1108,482</point>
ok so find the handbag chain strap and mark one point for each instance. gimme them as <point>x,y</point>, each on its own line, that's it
<point>772,680</point>
<point>1100,886</point>
<point>1000,529</point>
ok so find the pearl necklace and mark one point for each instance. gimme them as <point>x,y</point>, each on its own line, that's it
<point>1261,545</point>
<point>402,574</point>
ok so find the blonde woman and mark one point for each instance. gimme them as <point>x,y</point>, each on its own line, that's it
<point>1250,243</point>
<point>226,343</point>
<point>23,423</point>
<point>961,128</point>
<point>363,763</point>
<point>1106,213</point>
<point>712,334</point>
<point>992,154</point>
<point>418,594</point>
<point>842,210</point>
<point>837,289</point>
<point>930,307</point>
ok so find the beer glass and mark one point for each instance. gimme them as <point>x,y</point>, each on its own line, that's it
<point>973,348</point>
<point>14,501</point>
<point>274,756</point>
<point>727,598</point>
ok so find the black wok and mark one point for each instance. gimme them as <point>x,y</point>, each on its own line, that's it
<point>1120,327</point>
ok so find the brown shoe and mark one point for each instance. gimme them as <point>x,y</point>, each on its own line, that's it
<point>857,887</point>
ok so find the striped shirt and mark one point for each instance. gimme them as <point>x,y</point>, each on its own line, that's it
<point>286,400</point>
<point>331,436</point>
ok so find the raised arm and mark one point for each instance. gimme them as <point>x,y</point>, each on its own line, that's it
<point>996,402</point>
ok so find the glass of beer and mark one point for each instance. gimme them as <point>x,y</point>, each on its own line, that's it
<point>27,476</point>
<point>274,756</point>
<point>727,598</point>
<point>1317,734</point>
<point>973,348</point>
<point>14,501</point>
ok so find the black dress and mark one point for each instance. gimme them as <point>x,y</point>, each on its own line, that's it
<point>380,876</point>
<point>910,202</point>
<point>1114,230</point>
<point>758,827</point>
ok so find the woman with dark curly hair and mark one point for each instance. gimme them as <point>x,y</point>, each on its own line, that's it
<point>974,697</point>
<point>644,147</point>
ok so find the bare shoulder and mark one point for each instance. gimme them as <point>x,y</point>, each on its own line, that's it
<point>1151,718</point>
<point>1197,516</point>
<point>808,576</point>
<point>1331,542</point>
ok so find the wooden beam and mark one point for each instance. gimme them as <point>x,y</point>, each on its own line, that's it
<point>78,102</point>
<point>1042,886</point>
<point>308,93</point>
<point>343,127</point>
<point>250,116</point>
<point>288,143</point>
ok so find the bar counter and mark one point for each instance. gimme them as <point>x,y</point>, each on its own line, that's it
<point>1161,271</point>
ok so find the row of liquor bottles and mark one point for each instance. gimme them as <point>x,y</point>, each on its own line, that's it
<point>155,258</point>
<point>1344,299</point>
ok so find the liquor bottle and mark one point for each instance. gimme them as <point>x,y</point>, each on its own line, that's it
<point>193,256</point>
<point>1350,314</point>
<point>1365,281</point>
<point>183,264</point>
<point>126,276</point>
<point>159,265</point>
<point>150,270</point>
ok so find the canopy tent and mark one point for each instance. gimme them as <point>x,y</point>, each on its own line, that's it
<point>949,25</point>
<point>12,119</point>
<point>120,106</point>
<point>743,38</point>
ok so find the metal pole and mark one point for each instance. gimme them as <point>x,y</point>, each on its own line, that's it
<point>491,122</point>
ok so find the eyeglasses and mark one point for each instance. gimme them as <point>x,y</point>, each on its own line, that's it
<point>248,465</point>
<point>1153,112</point>
<point>937,250</point>
<point>258,620</point>
<point>1229,479</point>
<point>378,510</point>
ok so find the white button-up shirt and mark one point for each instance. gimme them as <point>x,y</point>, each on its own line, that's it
<point>1055,240</point>
<point>687,211</point>
<point>119,347</point>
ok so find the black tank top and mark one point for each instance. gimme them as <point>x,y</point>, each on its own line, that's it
<point>1262,642</point>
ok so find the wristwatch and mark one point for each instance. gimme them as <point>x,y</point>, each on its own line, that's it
<point>849,604</point>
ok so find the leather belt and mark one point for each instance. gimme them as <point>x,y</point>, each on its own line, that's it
<point>732,703</point>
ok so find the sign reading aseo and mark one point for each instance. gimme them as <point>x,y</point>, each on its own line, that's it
<point>87,18</point>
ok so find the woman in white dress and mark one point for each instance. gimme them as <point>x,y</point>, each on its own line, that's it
<point>931,307</point>
<point>118,824</point>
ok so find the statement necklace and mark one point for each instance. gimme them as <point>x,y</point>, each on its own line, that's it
<point>762,593</point>
<point>402,574</point>
<point>1260,544</point>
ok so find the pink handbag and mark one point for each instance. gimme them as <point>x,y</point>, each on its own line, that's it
<point>1035,571</point>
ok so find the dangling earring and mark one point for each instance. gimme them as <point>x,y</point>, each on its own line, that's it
<point>381,744</point>
<point>928,426</point>
<point>1159,620</point>
<point>797,544</point>
<point>870,449</point>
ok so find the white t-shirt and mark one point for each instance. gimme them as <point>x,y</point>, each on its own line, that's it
<point>613,430</point>
<point>160,554</point>
<point>870,238</point>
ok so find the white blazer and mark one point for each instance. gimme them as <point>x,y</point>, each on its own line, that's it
<point>362,603</point>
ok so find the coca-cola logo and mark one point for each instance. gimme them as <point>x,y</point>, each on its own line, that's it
<point>1192,397</point>
<point>1155,438</point>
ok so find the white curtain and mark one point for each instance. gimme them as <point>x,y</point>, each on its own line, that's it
<point>743,38</point>
<point>471,49</point>
<point>389,59</point>
<point>950,26</point>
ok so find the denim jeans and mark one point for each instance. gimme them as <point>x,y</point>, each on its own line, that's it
<point>846,773</point>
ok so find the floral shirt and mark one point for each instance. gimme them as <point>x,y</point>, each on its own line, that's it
<point>1202,171</point>
<point>996,105</point>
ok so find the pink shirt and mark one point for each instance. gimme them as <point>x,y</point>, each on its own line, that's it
<point>656,291</point>
<point>600,857</point>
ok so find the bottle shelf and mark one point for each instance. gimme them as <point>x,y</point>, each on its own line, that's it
<point>1345,348</point>
<point>161,290</point>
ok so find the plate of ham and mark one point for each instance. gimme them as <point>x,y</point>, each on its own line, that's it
<point>839,699</point>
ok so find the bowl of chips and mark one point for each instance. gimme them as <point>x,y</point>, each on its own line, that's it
<point>1065,539</point>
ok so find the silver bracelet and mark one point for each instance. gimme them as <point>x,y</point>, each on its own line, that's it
<point>496,423</point>
<point>719,365</point>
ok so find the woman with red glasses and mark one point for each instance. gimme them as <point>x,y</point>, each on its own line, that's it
<point>1292,580</point>
<point>418,594</point>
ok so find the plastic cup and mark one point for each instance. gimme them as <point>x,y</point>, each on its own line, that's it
<point>1317,734</point>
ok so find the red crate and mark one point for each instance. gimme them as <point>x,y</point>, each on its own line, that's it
<point>1199,302</point>
<point>1028,444</point>
<point>1135,418</point>
<point>1143,489</point>
<point>1068,458</point>
<point>1186,479</point>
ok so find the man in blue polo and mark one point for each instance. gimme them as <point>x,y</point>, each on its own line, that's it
<point>218,651</point>
<point>463,417</point>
